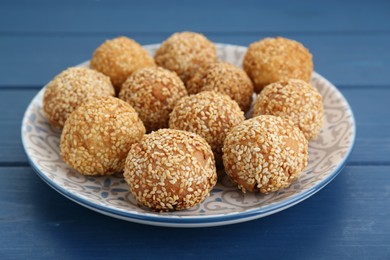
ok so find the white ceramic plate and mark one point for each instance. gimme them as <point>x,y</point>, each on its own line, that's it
<point>226,204</point>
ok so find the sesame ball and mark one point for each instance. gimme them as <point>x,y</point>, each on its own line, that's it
<point>275,59</point>
<point>98,134</point>
<point>225,78</point>
<point>208,114</point>
<point>185,52</point>
<point>170,170</point>
<point>264,154</point>
<point>195,84</point>
<point>153,92</point>
<point>295,99</point>
<point>71,88</point>
<point>119,58</point>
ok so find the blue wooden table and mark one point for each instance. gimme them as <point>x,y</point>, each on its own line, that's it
<point>348,219</point>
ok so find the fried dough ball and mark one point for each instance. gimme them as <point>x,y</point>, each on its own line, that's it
<point>184,53</point>
<point>153,92</point>
<point>277,59</point>
<point>170,170</point>
<point>225,78</point>
<point>208,114</point>
<point>295,99</point>
<point>195,84</point>
<point>119,58</point>
<point>264,154</point>
<point>71,88</point>
<point>97,136</point>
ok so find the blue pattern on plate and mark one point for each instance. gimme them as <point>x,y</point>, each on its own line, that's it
<point>226,204</point>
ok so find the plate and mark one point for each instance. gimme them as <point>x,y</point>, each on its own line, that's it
<point>226,204</point>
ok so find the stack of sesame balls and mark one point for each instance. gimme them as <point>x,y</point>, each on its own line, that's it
<point>169,121</point>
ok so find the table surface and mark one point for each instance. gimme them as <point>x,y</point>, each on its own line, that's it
<point>350,42</point>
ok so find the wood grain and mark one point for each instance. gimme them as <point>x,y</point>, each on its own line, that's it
<point>153,16</point>
<point>348,219</point>
<point>343,220</point>
<point>348,60</point>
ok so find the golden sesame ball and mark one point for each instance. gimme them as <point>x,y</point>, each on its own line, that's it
<point>264,154</point>
<point>185,52</point>
<point>119,58</point>
<point>208,114</point>
<point>170,170</point>
<point>275,59</point>
<point>71,88</point>
<point>295,99</point>
<point>225,78</point>
<point>153,92</point>
<point>195,84</point>
<point>98,134</point>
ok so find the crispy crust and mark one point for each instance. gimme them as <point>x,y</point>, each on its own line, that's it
<point>185,52</point>
<point>225,78</point>
<point>295,99</point>
<point>276,59</point>
<point>119,58</point>
<point>98,134</point>
<point>170,170</point>
<point>208,114</point>
<point>71,88</point>
<point>264,154</point>
<point>153,92</point>
<point>195,84</point>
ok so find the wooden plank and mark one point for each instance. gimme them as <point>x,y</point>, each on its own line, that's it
<point>347,216</point>
<point>13,104</point>
<point>372,123</point>
<point>367,104</point>
<point>210,16</point>
<point>357,60</point>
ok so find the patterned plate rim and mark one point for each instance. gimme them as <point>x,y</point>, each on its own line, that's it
<point>154,218</point>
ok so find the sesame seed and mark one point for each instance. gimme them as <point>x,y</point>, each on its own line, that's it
<point>101,154</point>
<point>119,58</point>
<point>186,52</point>
<point>275,59</point>
<point>181,180</point>
<point>153,92</point>
<point>289,99</point>
<point>225,78</point>
<point>223,113</point>
<point>70,89</point>
<point>266,169</point>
